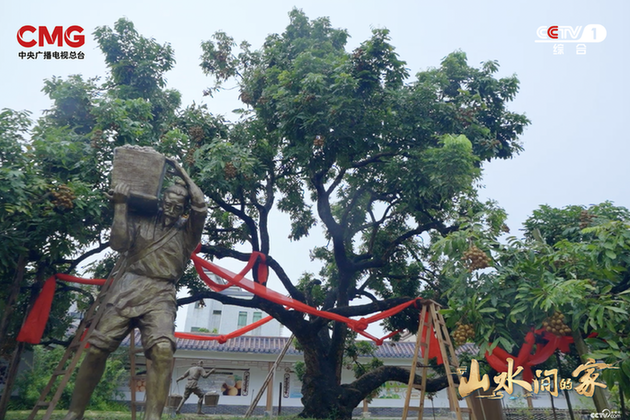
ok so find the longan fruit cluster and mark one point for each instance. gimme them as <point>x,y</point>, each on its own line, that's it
<point>555,325</point>
<point>245,97</point>
<point>230,170</point>
<point>190,156</point>
<point>463,333</point>
<point>63,197</point>
<point>585,219</point>
<point>475,258</point>
<point>318,141</point>
<point>196,133</point>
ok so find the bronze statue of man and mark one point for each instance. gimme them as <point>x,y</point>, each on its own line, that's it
<point>157,249</point>
<point>193,374</point>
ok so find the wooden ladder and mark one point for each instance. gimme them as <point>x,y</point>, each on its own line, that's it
<point>432,320</point>
<point>135,405</point>
<point>73,352</point>
<point>269,378</point>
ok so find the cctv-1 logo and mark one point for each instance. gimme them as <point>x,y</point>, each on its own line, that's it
<point>28,36</point>
<point>555,33</point>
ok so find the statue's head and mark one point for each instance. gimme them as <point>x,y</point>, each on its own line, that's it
<point>174,202</point>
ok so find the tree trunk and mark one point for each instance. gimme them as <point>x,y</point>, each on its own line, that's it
<point>322,396</point>
<point>10,379</point>
<point>13,294</point>
<point>563,374</point>
<point>599,398</point>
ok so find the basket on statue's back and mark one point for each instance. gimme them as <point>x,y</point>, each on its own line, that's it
<point>143,169</point>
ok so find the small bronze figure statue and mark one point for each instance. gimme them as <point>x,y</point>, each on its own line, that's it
<point>192,386</point>
<point>156,249</point>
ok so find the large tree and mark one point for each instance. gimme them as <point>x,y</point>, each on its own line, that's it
<point>384,163</point>
<point>347,140</point>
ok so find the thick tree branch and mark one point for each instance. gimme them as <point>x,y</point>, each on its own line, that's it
<point>381,260</point>
<point>367,383</point>
<point>336,182</point>
<point>369,308</point>
<point>367,295</point>
<point>334,229</point>
<point>330,299</point>
<point>67,287</point>
<point>360,310</point>
<point>263,211</point>
<point>351,204</point>
<point>284,278</point>
<point>623,285</point>
<point>249,222</point>
<point>225,299</point>
<point>74,263</point>
<point>222,252</point>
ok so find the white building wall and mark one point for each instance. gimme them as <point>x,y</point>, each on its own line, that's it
<point>231,367</point>
<point>224,319</point>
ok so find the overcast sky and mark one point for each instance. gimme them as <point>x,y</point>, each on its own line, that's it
<point>576,149</point>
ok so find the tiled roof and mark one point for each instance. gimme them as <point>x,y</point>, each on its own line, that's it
<point>274,345</point>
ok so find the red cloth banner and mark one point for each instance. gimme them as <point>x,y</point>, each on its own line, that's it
<point>223,338</point>
<point>35,323</point>
<point>498,358</point>
<point>33,327</point>
<point>260,290</point>
<point>73,279</point>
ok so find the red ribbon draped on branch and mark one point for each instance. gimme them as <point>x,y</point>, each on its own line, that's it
<point>33,328</point>
<point>498,358</point>
<point>260,290</point>
<point>223,338</point>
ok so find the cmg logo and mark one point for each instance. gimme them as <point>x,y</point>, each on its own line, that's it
<point>45,37</point>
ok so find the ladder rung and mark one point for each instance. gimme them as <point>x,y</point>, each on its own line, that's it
<point>416,386</point>
<point>412,408</point>
<point>60,372</point>
<point>43,404</point>
<point>100,299</point>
